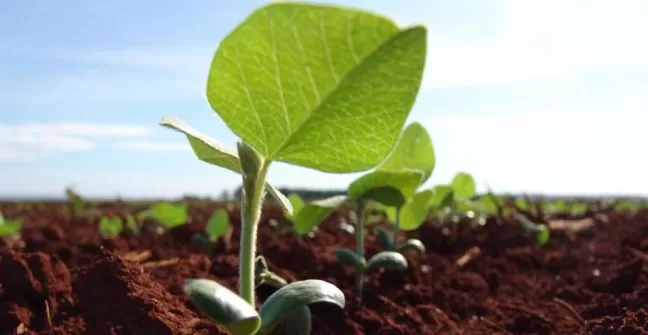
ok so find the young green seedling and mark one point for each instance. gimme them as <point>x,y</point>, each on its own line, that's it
<point>539,231</point>
<point>218,227</point>
<point>166,215</point>
<point>76,202</point>
<point>111,227</point>
<point>306,216</point>
<point>9,227</point>
<point>306,85</point>
<point>393,184</point>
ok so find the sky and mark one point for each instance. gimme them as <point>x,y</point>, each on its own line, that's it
<point>537,96</point>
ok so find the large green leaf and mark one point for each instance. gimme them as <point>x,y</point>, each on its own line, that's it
<point>316,85</point>
<point>223,306</point>
<point>296,295</point>
<point>210,151</point>
<point>313,213</point>
<point>218,225</point>
<point>415,210</point>
<point>390,188</point>
<point>413,151</point>
<point>463,186</point>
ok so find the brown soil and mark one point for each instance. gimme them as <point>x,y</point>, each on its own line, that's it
<point>63,278</point>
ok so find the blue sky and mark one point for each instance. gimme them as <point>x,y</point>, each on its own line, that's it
<point>527,95</point>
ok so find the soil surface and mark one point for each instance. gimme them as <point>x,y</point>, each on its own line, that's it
<point>61,277</point>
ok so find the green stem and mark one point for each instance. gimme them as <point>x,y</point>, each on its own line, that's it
<point>360,244</point>
<point>396,230</point>
<point>253,193</point>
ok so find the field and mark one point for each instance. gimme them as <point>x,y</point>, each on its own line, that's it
<point>60,276</point>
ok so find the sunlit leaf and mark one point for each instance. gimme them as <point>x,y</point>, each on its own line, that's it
<point>414,151</point>
<point>463,186</point>
<point>391,188</point>
<point>313,213</point>
<point>415,210</point>
<point>218,225</point>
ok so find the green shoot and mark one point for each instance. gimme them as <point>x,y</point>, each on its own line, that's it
<point>111,227</point>
<point>307,216</point>
<point>166,214</point>
<point>9,227</point>
<point>76,202</point>
<point>292,88</point>
<point>539,231</point>
<point>218,227</point>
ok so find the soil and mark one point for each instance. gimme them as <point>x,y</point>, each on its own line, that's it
<point>61,277</point>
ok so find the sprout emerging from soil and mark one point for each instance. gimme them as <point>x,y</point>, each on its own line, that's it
<point>111,227</point>
<point>539,231</point>
<point>271,87</point>
<point>217,228</point>
<point>9,227</point>
<point>166,215</point>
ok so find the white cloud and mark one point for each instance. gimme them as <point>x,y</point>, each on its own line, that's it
<point>35,140</point>
<point>153,146</point>
<point>543,41</point>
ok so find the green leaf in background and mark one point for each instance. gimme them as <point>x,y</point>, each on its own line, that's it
<point>131,224</point>
<point>390,188</point>
<point>543,234</point>
<point>463,186</point>
<point>296,201</point>
<point>415,210</point>
<point>313,213</point>
<point>223,306</point>
<point>296,295</point>
<point>298,82</point>
<point>218,225</point>
<point>387,260</point>
<point>9,227</point>
<point>579,208</point>
<point>488,204</point>
<point>442,196</point>
<point>210,151</point>
<point>171,215</point>
<point>110,227</point>
<point>413,151</point>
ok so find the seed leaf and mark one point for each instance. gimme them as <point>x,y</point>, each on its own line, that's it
<point>350,258</point>
<point>210,151</point>
<point>313,213</point>
<point>296,295</point>
<point>299,81</point>
<point>385,238</point>
<point>218,225</point>
<point>463,186</point>
<point>413,151</point>
<point>387,260</point>
<point>223,306</point>
<point>111,227</point>
<point>298,321</point>
<point>415,210</point>
<point>543,234</point>
<point>413,244</point>
<point>171,215</point>
<point>390,188</point>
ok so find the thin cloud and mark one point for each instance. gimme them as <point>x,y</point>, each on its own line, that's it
<point>30,141</point>
<point>153,146</point>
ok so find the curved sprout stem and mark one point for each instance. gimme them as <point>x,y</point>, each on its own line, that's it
<point>396,230</point>
<point>361,209</point>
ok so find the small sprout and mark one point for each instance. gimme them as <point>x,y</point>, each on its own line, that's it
<point>218,227</point>
<point>110,227</point>
<point>9,227</point>
<point>131,224</point>
<point>166,214</point>
<point>75,200</point>
<point>412,245</point>
<point>541,232</point>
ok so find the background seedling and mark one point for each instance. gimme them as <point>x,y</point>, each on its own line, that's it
<point>166,215</point>
<point>9,227</point>
<point>300,91</point>
<point>111,227</point>
<point>393,185</point>
<point>540,232</point>
<point>218,227</point>
<point>307,216</point>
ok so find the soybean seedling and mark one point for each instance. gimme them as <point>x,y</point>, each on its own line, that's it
<point>9,227</point>
<point>307,216</point>
<point>539,231</point>
<point>305,92</point>
<point>166,215</point>
<point>111,227</point>
<point>392,184</point>
<point>217,228</point>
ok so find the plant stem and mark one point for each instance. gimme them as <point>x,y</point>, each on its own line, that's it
<point>396,230</point>
<point>254,174</point>
<point>360,211</point>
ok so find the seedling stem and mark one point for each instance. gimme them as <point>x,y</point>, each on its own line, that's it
<point>360,231</point>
